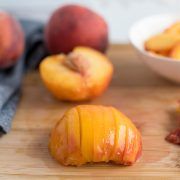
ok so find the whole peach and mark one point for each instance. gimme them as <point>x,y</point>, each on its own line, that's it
<point>73,25</point>
<point>11,40</point>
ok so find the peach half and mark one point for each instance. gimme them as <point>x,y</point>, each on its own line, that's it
<point>81,75</point>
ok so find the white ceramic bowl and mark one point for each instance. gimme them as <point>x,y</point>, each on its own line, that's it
<point>142,30</point>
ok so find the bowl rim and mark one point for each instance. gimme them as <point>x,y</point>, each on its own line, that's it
<point>143,51</point>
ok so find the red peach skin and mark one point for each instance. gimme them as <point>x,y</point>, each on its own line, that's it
<point>74,25</point>
<point>12,40</point>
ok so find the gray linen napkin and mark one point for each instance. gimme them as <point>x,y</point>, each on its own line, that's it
<point>10,79</point>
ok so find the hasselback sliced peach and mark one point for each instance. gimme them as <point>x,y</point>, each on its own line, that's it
<point>91,133</point>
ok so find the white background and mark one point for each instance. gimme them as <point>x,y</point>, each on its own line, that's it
<point>120,14</point>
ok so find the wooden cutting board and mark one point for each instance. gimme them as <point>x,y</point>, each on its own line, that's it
<point>142,95</point>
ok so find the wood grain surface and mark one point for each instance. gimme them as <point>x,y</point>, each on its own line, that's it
<point>146,98</point>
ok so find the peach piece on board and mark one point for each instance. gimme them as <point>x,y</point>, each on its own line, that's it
<point>86,132</point>
<point>128,140</point>
<point>74,25</point>
<point>74,137</point>
<point>99,138</point>
<point>120,138</point>
<point>12,40</point>
<point>81,75</point>
<point>59,139</point>
<point>109,133</point>
<point>97,134</point>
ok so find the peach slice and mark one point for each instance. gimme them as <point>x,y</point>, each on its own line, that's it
<point>120,138</point>
<point>109,133</point>
<point>98,128</point>
<point>81,75</point>
<point>128,140</point>
<point>161,42</point>
<point>87,134</point>
<point>133,147</point>
<point>73,137</point>
<point>74,25</point>
<point>175,52</point>
<point>59,139</point>
<point>174,28</point>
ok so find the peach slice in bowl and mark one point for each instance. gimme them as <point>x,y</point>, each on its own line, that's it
<point>148,27</point>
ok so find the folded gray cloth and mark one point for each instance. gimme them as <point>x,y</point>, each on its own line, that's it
<point>10,79</point>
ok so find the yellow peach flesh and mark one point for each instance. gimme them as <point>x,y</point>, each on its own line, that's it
<point>77,76</point>
<point>90,133</point>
